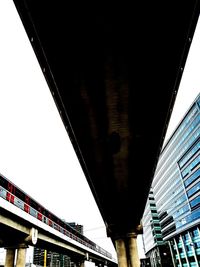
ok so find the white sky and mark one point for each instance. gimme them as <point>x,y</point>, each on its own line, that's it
<point>35,151</point>
<point>190,84</point>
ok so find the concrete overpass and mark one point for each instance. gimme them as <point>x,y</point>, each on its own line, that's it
<point>114,71</point>
<point>19,230</point>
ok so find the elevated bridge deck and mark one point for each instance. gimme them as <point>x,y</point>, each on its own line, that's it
<point>114,71</point>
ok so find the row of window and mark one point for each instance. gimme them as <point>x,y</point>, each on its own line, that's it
<point>189,154</point>
<point>191,166</point>
<point>177,134</point>
<point>192,178</point>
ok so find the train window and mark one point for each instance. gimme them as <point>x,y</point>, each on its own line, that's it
<point>11,188</point>
<point>33,204</point>
<point>56,220</point>
<point>53,218</point>
<point>55,226</point>
<point>67,233</point>
<point>3,192</point>
<point>3,182</point>
<point>62,223</point>
<point>45,219</point>
<point>19,203</point>
<point>19,194</point>
<point>33,212</point>
<point>49,216</point>
<point>40,209</point>
<point>27,199</point>
<point>44,212</point>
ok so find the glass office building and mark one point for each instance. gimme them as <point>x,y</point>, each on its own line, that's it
<point>156,249</point>
<point>176,195</point>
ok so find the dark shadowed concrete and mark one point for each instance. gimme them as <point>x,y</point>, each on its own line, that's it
<point>114,72</point>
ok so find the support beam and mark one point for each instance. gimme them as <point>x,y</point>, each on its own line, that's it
<point>82,264</point>
<point>10,257</point>
<point>21,256</point>
<point>127,251</point>
<point>133,250</point>
<point>121,252</point>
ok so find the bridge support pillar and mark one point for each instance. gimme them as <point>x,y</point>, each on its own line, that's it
<point>21,256</point>
<point>133,250</point>
<point>82,264</point>
<point>79,262</point>
<point>127,251</point>
<point>10,257</point>
<point>121,252</point>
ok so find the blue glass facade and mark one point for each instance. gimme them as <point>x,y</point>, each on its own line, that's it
<point>176,189</point>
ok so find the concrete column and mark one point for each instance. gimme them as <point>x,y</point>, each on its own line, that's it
<point>179,257</point>
<point>121,252</point>
<point>133,250</point>
<point>82,264</point>
<point>21,256</point>
<point>172,254</point>
<point>10,257</point>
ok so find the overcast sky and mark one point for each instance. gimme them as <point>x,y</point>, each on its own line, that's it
<point>35,151</point>
<point>190,84</point>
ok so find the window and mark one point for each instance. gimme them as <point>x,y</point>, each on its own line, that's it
<point>195,203</point>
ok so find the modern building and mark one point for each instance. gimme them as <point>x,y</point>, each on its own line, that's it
<point>42,257</point>
<point>171,217</point>
<point>156,249</point>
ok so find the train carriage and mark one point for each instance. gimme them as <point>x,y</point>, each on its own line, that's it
<point>13,194</point>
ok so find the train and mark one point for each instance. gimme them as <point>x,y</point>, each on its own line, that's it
<point>13,194</point>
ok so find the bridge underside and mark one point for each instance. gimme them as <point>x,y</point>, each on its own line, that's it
<point>114,72</point>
